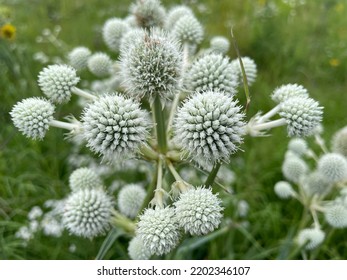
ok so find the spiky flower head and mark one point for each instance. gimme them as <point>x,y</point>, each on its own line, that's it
<point>115,125</point>
<point>152,65</point>
<point>129,39</point>
<point>87,212</point>
<point>302,115</point>
<point>159,230</point>
<point>339,142</point>
<point>219,44</point>
<point>56,82</point>
<point>287,91</point>
<point>84,178</point>
<point>298,146</point>
<point>137,250</point>
<point>212,72</point>
<point>333,167</point>
<point>198,211</point>
<point>100,64</point>
<point>148,13</point>
<point>283,190</point>
<point>312,237</point>
<point>315,183</point>
<point>113,31</point>
<point>188,30</point>
<point>336,215</point>
<point>32,116</point>
<point>130,199</point>
<point>250,69</point>
<point>294,168</point>
<point>175,14</point>
<point>78,57</point>
<point>209,126</point>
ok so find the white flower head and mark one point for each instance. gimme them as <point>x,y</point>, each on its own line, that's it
<point>212,72</point>
<point>84,178</point>
<point>130,199</point>
<point>148,13</point>
<point>56,82</point>
<point>159,230</point>
<point>302,115</point>
<point>209,126</point>
<point>316,183</point>
<point>333,167</point>
<point>198,211</point>
<point>115,126</point>
<point>188,30</point>
<point>250,69</point>
<point>152,65</point>
<point>312,237</point>
<point>87,212</point>
<point>100,64</point>
<point>32,117</point>
<point>220,44</point>
<point>339,142</point>
<point>175,14</point>
<point>298,146</point>
<point>284,190</point>
<point>287,91</point>
<point>113,31</point>
<point>294,168</point>
<point>137,250</point>
<point>336,215</point>
<point>78,57</point>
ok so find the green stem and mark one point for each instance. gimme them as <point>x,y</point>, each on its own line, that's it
<point>210,179</point>
<point>159,192</point>
<point>160,125</point>
<point>150,191</point>
<point>123,222</point>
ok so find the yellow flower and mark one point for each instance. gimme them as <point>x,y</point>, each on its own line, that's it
<point>334,62</point>
<point>8,31</point>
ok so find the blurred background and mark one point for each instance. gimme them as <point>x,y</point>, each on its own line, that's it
<point>291,41</point>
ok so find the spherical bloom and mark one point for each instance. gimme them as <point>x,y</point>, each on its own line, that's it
<point>336,215</point>
<point>148,13</point>
<point>219,44</point>
<point>212,72</point>
<point>32,117</point>
<point>298,146</point>
<point>87,212</point>
<point>339,142</point>
<point>100,64</point>
<point>84,178</point>
<point>114,125</point>
<point>188,30</point>
<point>285,92</point>
<point>333,167</point>
<point>130,199</point>
<point>315,183</point>
<point>198,211</point>
<point>312,237</point>
<point>78,57</point>
<point>302,115</point>
<point>283,190</point>
<point>209,126</point>
<point>113,31</point>
<point>250,69</point>
<point>129,39</point>
<point>159,230</point>
<point>175,14</point>
<point>137,250</point>
<point>152,66</point>
<point>56,82</point>
<point>294,169</point>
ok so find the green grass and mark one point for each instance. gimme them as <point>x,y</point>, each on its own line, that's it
<point>288,48</point>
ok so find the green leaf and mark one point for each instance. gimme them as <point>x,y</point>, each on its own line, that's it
<point>108,242</point>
